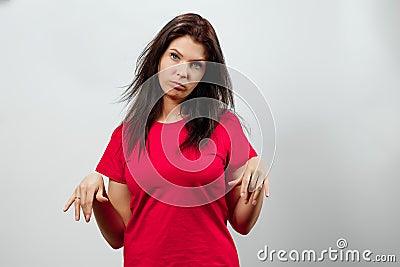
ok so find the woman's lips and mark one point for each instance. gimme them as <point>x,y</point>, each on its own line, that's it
<point>177,85</point>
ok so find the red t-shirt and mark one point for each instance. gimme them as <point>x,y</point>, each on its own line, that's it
<point>178,220</point>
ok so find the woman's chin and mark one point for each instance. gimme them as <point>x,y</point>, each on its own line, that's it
<point>175,95</point>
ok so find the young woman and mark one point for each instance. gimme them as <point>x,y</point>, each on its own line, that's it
<point>166,208</point>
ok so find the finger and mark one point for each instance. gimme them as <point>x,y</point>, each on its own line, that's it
<point>266,187</point>
<point>256,194</point>
<point>245,184</point>
<point>253,182</point>
<point>100,197</point>
<point>235,182</point>
<point>77,204</point>
<point>87,209</point>
<point>258,187</point>
<point>69,203</point>
<point>252,186</point>
<point>86,202</point>
<point>83,200</point>
<point>82,194</point>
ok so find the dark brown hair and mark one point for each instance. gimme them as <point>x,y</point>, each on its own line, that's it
<point>143,95</point>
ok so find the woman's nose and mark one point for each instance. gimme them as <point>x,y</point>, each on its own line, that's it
<point>182,70</point>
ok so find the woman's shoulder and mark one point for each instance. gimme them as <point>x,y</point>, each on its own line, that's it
<point>118,129</point>
<point>116,134</point>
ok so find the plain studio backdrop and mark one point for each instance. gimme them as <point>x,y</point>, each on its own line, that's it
<point>330,71</point>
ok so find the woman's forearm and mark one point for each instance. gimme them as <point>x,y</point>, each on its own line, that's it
<point>245,215</point>
<point>110,223</point>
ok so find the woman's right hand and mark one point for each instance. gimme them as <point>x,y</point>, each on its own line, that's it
<point>90,189</point>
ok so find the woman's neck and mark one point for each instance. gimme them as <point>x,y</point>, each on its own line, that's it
<point>171,111</point>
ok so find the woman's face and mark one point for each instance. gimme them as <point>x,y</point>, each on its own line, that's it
<point>181,67</point>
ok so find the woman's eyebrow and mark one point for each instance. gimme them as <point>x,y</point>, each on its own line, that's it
<point>180,54</point>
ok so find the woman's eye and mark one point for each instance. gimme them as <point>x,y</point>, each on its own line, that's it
<point>174,56</point>
<point>196,65</point>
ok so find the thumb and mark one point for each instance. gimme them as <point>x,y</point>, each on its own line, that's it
<point>235,182</point>
<point>99,195</point>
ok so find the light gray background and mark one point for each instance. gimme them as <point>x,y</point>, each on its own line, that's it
<point>329,69</point>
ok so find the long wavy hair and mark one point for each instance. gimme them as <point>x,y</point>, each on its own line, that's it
<point>143,94</point>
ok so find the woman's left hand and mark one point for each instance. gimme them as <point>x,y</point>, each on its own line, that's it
<point>254,178</point>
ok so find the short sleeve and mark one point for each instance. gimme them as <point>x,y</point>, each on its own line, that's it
<point>112,163</point>
<point>239,149</point>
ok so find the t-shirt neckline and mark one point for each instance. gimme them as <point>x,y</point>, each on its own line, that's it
<point>169,123</point>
